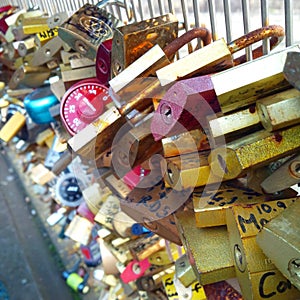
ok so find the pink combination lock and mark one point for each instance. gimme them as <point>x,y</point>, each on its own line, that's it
<point>83,103</point>
<point>135,270</point>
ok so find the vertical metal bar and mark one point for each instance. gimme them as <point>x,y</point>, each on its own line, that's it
<point>185,16</point>
<point>160,6</point>
<point>246,21</point>
<point>197,20</point>
<point>150,8</point>
<point>141,10</point>
<point>133,11</point>
<point>227,16</point>
<point>288,12</point>
<point>212,16</point>
<point>265,22</point>
<point>170,5</point>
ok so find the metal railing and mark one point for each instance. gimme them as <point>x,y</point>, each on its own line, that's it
<point>224,18</point>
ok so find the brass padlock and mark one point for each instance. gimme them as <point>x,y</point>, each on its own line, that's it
<point>35,25</point>
<point>209,266</point>
<point>280,110</point>
<point>102,135</point>
<point>210,204</point>
<point>234,125</point>
<point>29,76</point>
<point>186,142</point>
<point>216,56</point>
<point>279,240</point>
<point>188,171</point>
<point>224,92</point>
<point>133,40</point>
<point>26,47</point>
<point>12,127</point>
<point>283,177</point>
<point>184,271</point>
<point>132,148</point>
<point>87,28</point>
<point>253,268</point>
<point>255,150</point>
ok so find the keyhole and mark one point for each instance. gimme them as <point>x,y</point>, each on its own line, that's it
<point>295,169</point>
<point>222,163</point>
<point>294,268</point>
<point>239,258</point>
<point>166,113</point>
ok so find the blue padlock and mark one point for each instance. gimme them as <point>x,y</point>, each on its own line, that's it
<point>38,103</point>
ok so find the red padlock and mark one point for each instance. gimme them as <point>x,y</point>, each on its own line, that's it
<point>103,62</point>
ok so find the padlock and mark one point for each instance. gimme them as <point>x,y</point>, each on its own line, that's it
<point>218,55</point>
<point>210,204</point>
<point>105,215</point>
<point>234,125</point>
<point>38,103</point>
<point>283,177</point>
<point>279,240</point>
<point>34,25</point>
<point>41,38</point>
<point>47,51</point>
<point>26,47</point>
<point>187,142</point>
<point>280,110</point>
<point>184,271</point>
<point>103,62</point>
<point>70,75</point>
<point>208,249</point>
<point>82,62</point>
<point>188,171</point>
<point>57,19</point>
<point>133,40</point>
<point>83,103</point>
<point>181,107</point>
<point>291,69</point>
<point>140,102</point>
<point>28,15</point>
<point>12,127</point>
<point>87,28</point>
<point>132,148</point>
<point>253,269</point>
<point>29,76</point>
<point>79,230</point>
<point>124,85</point>
<point>255,150</point>
<point>41,175</point>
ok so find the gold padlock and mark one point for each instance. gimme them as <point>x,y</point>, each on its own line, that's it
<point>279,240</point>
<point>218,56</point>
<point>254,150</point>
<point>210,204</point>
<point>133,40</point>
<point>34,25</point>
<point>29,76</point>
<point>12,127</point>
<point>184,271</point>
<point>188,171</point>
<point>187,142</point>
<point>280,110</point>
<point>235,124</point>
<point>26,47</point>
<point>207,248</point>
<point>69,74</point>
<point>251,265</point>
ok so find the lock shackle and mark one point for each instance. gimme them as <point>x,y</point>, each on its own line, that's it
<point>275,32</point>
<point>199,32</point>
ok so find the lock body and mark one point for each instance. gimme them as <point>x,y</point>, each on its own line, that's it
<point>251,265</point>
<point>279,236</point>
<point>209,266</point>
